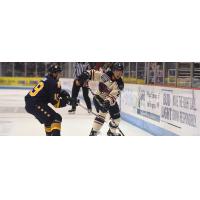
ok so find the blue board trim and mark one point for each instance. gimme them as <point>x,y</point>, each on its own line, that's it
<point>147,126</point>
<point>13,87</point>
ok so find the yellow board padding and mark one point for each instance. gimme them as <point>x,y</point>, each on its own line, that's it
<point>19,81</point>
<point>56,126</point>
<point>133,80</point>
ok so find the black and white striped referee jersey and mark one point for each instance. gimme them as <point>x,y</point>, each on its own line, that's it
<point>80,67</point>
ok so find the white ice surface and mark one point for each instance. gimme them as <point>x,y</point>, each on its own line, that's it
<point>16,122</point>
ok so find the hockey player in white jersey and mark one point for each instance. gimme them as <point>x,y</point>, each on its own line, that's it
<point>105,99</point>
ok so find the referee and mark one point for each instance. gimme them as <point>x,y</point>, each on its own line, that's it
<point>79,68</point>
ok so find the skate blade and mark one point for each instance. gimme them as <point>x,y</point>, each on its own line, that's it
<point>114,135</point>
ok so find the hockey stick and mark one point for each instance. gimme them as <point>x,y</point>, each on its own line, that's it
<point>91,91</point>
<point>97,115</point>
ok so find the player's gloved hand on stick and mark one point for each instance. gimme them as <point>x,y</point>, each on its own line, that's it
<point>64,94</point>
<point>67,99</point>
<point>106,105</point>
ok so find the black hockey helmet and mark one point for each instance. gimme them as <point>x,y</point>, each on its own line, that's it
<point>118,66</point>
<point>55,68</point>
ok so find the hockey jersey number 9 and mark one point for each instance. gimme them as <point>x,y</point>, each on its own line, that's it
<point>46,91</point>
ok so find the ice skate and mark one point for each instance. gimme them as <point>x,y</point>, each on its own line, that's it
<point>109,133</point>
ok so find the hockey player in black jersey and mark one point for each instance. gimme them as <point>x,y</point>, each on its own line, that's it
<point>47,91</point>
<point>105,99</point>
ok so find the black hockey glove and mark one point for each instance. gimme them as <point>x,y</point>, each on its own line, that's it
<point>121,86</point>
<point>85,76</point>
<point>65,97</point>
<point>106,106</point>
<point>64,94</point>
